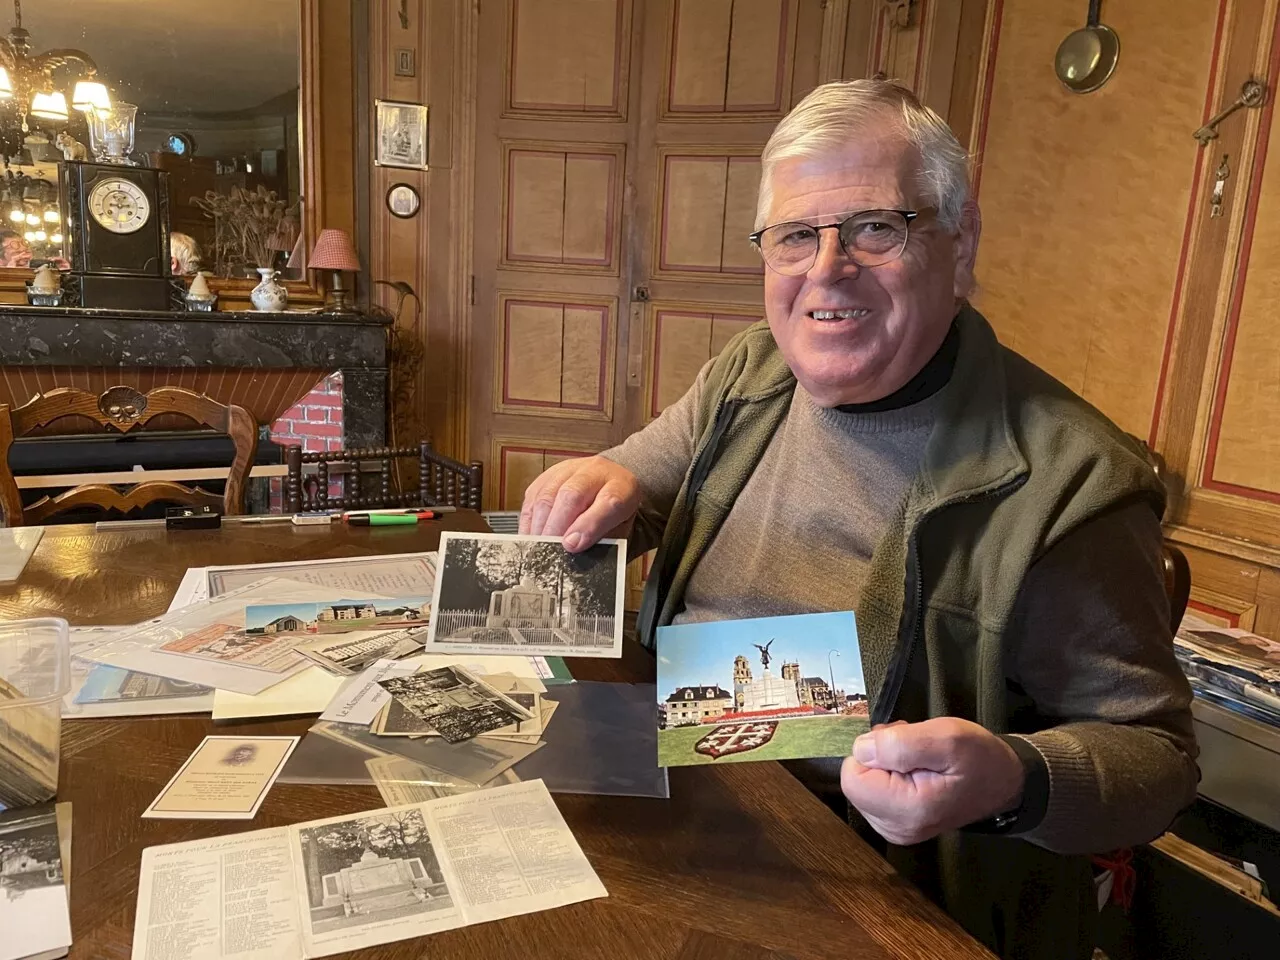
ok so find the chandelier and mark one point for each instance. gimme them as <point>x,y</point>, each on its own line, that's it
<point>28,91</point>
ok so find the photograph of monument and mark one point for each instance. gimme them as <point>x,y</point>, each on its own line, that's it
<point>368,869</point>
<point>773,688</point>
<point>506,594</point>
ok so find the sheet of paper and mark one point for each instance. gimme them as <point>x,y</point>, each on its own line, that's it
<point>227,778</point>
<point>194,588</point>
<point>328,886</point>
<point>347,654</point>
<point>507,851</point>
<point>17,544</point>
<point>229,896</point>
<point>391,575</point>
<point>507,594</point>
<point>308,691</point>
<point>207,643</point>
<point>128,686</point>
<point>402,781</point>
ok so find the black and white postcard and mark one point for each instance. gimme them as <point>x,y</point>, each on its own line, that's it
<point>455,702</point>
<point>507,594</point>
<point>34,917</point>
<point>348,654</point>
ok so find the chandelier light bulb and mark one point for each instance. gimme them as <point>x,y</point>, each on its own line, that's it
<point>17,216</point>
<point>32,219</point>
<point>29,236</point>
<point>51,216</point>
<point>6,85</point>
<point>49,106</point>
<point>41,236</point>
<point>56,238</point>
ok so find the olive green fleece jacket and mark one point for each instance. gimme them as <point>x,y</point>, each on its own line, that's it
<point>1015,463</point>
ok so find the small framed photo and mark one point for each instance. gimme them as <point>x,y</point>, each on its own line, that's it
<point>403,201</point>
<point>400,134</point>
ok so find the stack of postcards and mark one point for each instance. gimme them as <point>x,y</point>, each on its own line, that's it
<point>1232,668</point>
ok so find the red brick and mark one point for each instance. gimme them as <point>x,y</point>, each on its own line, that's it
<point>335,415</point>
<point>311,445</point>
<point>293,413</point>
<point>321,430</point>
<point>327,399</point>
<point>317,414</point>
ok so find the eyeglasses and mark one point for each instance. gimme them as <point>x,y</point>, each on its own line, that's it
<point>870,238</point>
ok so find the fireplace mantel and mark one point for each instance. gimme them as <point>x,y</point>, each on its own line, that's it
<point>138,341</point>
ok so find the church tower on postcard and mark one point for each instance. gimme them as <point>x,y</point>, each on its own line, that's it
<point>741,680</point>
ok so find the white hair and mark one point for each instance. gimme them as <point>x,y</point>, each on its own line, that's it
<point>836,113</point>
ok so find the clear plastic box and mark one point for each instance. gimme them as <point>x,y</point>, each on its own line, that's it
<point>35,674</point>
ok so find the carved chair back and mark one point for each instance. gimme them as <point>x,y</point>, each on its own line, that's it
<point>124,410</point>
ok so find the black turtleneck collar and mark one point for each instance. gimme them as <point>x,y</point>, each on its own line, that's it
<point>933,376</point>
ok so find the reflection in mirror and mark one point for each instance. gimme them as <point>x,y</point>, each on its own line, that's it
<point>206,92</point>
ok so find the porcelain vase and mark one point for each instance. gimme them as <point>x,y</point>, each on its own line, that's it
<point>270,295</point>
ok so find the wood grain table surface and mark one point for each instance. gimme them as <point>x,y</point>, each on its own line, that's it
<point>741,862</point>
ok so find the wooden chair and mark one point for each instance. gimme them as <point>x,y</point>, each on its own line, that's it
<point>124,410</point>
<point>442,481</point>
<point>1177,583</point>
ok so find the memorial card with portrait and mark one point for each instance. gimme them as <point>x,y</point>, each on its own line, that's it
<point>227,778</point>
<point>772,688</point>
<point>507,594</point>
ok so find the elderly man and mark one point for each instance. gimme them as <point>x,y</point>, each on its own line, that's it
<point>874,447</point>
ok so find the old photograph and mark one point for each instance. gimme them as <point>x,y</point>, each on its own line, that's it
<point>345,616</point>
<point>106,684</point>
<point>457,704</point>
<point>401,135</point>
<point>228,643</point>
<point>396,720</point>
<point>370,869</point>
<point>351,653</point>
<point>29,855</point>
<point>771,688</point>
<point>498,593</point>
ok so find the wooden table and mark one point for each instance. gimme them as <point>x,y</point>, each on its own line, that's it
<point>741,862</point>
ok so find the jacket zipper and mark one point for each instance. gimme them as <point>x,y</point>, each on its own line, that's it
<point>897,673</point>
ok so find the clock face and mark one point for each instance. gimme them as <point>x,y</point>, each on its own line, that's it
<point>119,206</point>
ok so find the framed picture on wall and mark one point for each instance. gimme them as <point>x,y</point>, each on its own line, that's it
<point>400,133</point>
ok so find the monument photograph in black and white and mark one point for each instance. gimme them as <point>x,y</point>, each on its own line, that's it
<point>368,869</point>
<point>501,593</point>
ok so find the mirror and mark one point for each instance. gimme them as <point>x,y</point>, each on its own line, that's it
<point>212,93</point>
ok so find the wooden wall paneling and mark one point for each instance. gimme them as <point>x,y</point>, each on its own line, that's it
<point>1267,618</point>
<point>683,337</point>
<point>423,250</point>
<point>967,75</point>
<point>729,58</point>
<point>706,210</point>
<point>519,460</point>
<point>556,356</point>
<point>1078,265</point>
<point>568,57</point>
<point>1243,444</point>
<point>550,168</point>
<point>562,206</point>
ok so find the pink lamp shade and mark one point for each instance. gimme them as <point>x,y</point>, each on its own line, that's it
<point>334,251</point>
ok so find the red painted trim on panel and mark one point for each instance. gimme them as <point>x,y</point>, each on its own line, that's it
<point>780,73</point>
<point>1179,279</point>
<point>502,466</point>
<point>923,13</point>
<point>611,107</point>
<point>984,111</point>
<point>1233,619</point>
<point>1237,293</point>
<point>599,405</point>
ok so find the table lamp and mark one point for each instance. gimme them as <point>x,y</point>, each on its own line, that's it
<point>335,251</point>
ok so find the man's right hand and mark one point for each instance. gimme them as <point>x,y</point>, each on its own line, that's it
<point>583,500</point>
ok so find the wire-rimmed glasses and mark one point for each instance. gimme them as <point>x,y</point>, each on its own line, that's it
<point>870,238</point>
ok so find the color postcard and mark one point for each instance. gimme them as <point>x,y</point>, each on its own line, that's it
<point>774,688</point>
<point>226,778</point>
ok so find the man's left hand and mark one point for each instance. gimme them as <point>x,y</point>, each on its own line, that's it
<point>913,781</point>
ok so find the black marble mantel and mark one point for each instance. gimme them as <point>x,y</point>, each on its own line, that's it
<point>352,343</point>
